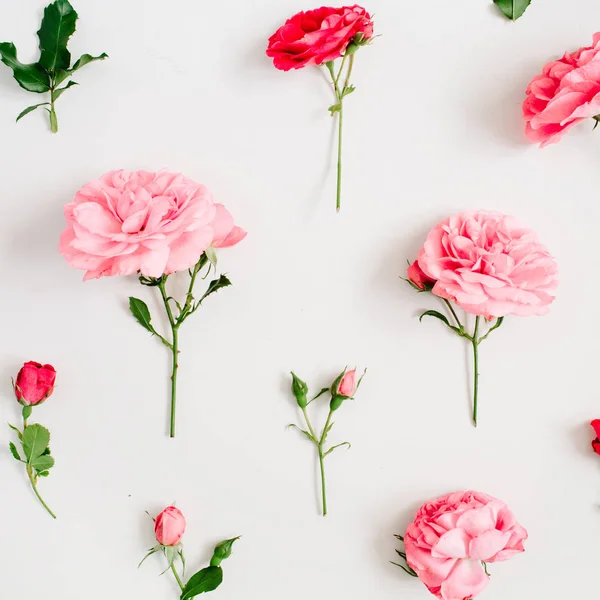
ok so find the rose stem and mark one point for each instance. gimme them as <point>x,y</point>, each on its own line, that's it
<point>319,445</point>
<point>322,463</point>
<point>34,486</point>
<point>475,342</point>
<point>175,350</point>
<point>174,570</point>
<point>53,117</point>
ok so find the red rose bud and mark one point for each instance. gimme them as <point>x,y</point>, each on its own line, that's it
<point>596,443</point>
<point>417,277</point>
<point>35,383</point>
<point>299,389</point>
<point>169,526</point>
<point>343,387</point>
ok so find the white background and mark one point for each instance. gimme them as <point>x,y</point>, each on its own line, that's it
<point>433,128</point>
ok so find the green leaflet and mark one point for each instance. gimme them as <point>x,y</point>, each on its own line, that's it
<point>140,311</point>
<point>30,77</point>
<point>60,91</point>
<point>58,25</point>
<point>512,9</point>
<point>86,59</point>
<point>215,286</point>
<point>206,580</point>
<point>35,441</point>
<point>222,551</point>
<point>14,451</point>
<point>42,463</point>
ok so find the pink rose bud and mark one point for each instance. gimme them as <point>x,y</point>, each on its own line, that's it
<point>418,278</point>
<point>35,383</point>
<point>347,385</point>
<point>169,526</point>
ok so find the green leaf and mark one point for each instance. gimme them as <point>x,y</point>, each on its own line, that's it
<point>437,315</point>
<point>35,441</point>
<point>206,580</point>
<point>14,451</point>
<point>334,108</point>
<point>214,286</point>
<point>347,91</point>
<point>512,9</point>
<point>16,431</point>
<point>150,553</point>
<point>306,433</point>
<point>26,412</point>
<point>336,447</point>
<point>140,311</point>
<point>42,463</point>
<point>30,77</point>
<point>60,91</point>
<point>86,59</point>
<point>58,25</point>
<point>30,109</point>
<point>43,474</point>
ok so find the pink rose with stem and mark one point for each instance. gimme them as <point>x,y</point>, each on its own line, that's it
<point>489,265</point>
<point>153,225</point>
<point>343,388</point>
<point>33,386</point>
<point>320,37</point>
<point>169,527</point>
<point>454,538</point>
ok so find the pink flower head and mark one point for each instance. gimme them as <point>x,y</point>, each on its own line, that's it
<point>566,93</point>
<point>418,278</point>
<point>451,537</point>
<point>490,265</point>
<point>154,223</point>
<point>596,443</point>
<point>35,383</point>
<point>347,386</point>
<point>317,36</point>
<point>169,526</point>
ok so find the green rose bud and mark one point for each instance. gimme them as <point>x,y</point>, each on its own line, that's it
<point>299,389</point>
<point>222,551</point>
<point>336,402</point>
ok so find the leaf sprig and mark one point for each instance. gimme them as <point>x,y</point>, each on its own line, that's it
<point>53,67</point>
<point>512,9</point>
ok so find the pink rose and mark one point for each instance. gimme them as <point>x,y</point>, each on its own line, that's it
<point>567,92</point>
<point>490,265</point>
<point>452,536</point>
<point>35,383</point>
<point>417,277</point>
<point>317,36</point>
<point>347,386</point>
<point>169,526</point>
<point>154,223</point>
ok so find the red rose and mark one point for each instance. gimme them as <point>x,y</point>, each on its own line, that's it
<point>317,36</point>
<point>596,443</point>
<point>35,383</point>
<point>418,278</point>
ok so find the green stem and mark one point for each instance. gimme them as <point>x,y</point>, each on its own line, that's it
<point>475,343</point>
<point>453,313</point>
<point>338,200</point>
<point>174,570</point>
<point>53,117</point>
<point>322,463</point>
<point>175,351</point>
<point>34,486</point>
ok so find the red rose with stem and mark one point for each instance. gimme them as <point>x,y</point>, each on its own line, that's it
<point>319,37</point>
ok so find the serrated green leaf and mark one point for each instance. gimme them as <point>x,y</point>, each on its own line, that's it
<point>206,580</point>
<point>512,9</point>
<point>58,25</point>
<point>42,463</point>
<point>214,286</point>
<point>347,91</point>
<point>30,77</point>
<point>14,451</point>
<point>140,311</point>
<point>86,59</point>
<point>35,441</point>
<point>60,91</point>
<point>30,109</point>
